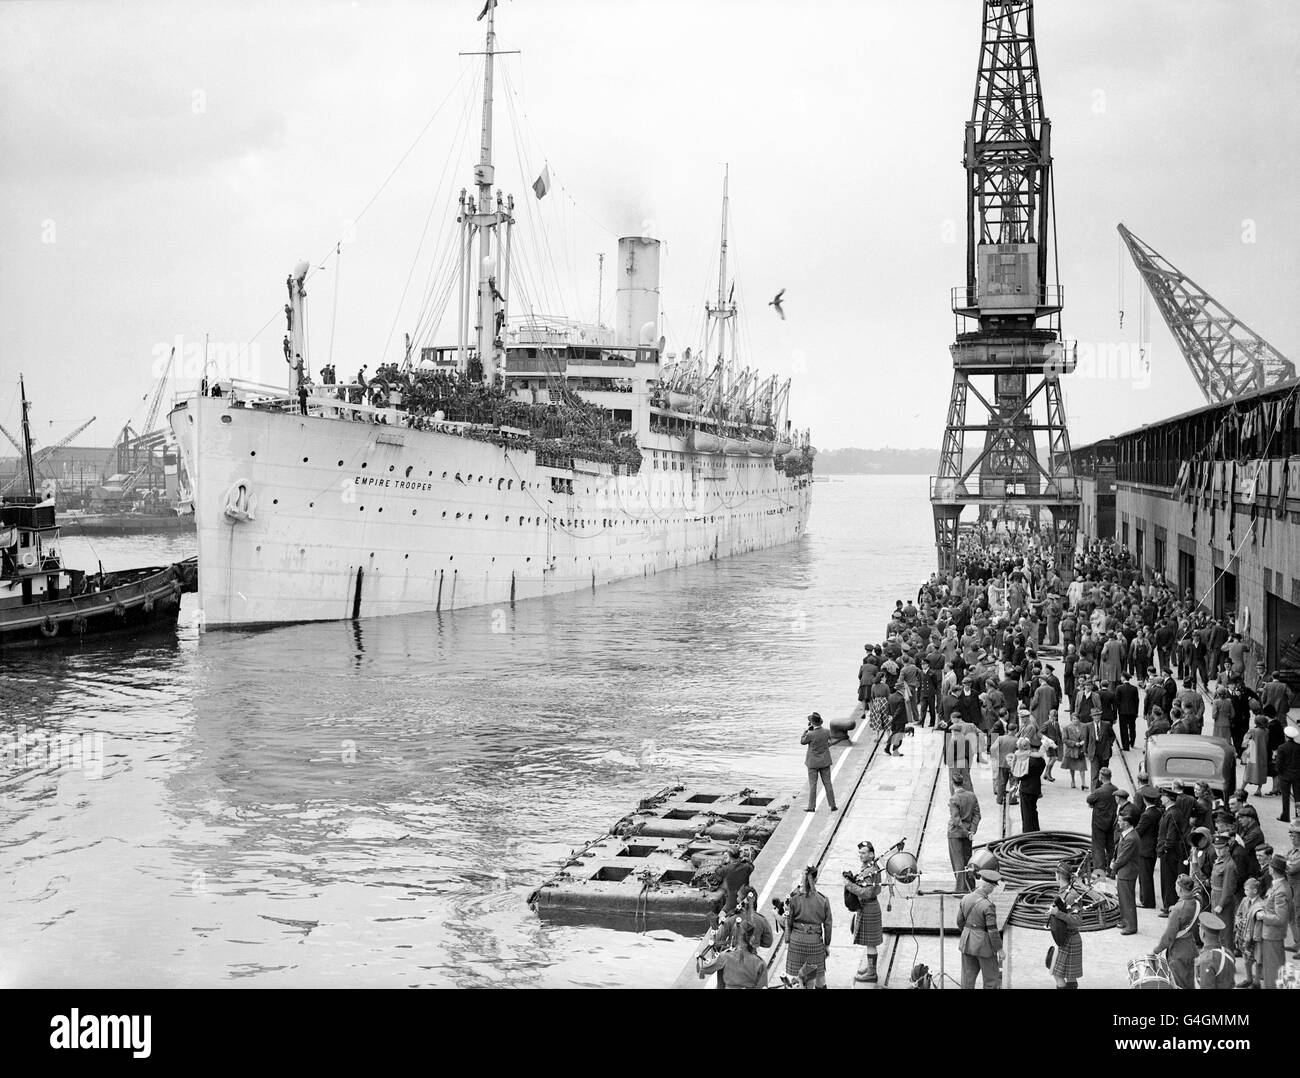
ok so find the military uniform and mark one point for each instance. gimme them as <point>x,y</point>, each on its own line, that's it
<point>808,933</point>
<point>1178,941</point>
<point>738,968</point>
<point>1215,968</point>
<point>980,940</point>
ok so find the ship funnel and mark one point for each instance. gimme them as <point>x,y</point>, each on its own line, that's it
<point>637,297</point>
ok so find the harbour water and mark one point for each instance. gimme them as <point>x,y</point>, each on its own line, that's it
<point>370,804</point>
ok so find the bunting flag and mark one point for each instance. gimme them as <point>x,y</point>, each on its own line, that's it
<point>543,182</point>
<point>1230,474</point>
<point>1253,479</point>
<point>486,8</point>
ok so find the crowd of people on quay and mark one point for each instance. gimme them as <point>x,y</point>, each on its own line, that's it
<point>1042,679</point>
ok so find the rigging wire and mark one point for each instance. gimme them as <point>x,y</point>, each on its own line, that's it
<point>279,311</point>
<point>435,203</point>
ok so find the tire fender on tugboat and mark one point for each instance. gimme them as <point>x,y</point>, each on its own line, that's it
<point>119,610</point>
<point>79,625</point>
<point>148,604</point>
<point>49,627</point>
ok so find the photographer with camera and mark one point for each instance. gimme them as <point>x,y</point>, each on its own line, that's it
<point>818,760</point>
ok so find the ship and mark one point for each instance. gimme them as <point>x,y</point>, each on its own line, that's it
<point>530,457</point>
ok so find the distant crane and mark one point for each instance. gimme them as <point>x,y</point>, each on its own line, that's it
<point>136,450</point>
<point>1227,358</point>
<point>41,455</point>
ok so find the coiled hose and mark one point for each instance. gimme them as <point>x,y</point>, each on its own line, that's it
<point>1028,863</point>
<point>1096,911</point>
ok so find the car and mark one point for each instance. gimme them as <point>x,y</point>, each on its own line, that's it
<point>1190,758</point>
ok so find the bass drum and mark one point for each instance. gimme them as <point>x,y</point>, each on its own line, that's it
<point>1150,971</point>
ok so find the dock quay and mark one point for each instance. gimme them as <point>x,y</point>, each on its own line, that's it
<point>883,798</point>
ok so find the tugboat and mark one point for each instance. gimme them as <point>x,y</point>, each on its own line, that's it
<point>43,603</point>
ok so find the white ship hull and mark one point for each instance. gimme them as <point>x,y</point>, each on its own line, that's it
<point>355,519</point>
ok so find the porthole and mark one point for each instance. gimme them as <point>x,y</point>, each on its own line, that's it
<point>363,509</point>
<point>340,464</point>
<point>311,505</point>
<point>252,452</point>
<point>391,467</point>
<point>363,464</point>
<point>304,460</point>
<point>413,512</point>
<point>458,516</point>
<point>275,501</point>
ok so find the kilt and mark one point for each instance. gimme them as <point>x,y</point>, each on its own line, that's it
<point>867,921</point>
<point>805,949</point>
<point>1069,958</point>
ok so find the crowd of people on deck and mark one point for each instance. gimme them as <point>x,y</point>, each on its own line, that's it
<point>1041,678</point>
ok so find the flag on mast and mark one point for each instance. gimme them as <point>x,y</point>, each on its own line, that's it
<point>543,182</point>
<point>486,8</point>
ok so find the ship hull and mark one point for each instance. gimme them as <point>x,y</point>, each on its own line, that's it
<point>306,518</point>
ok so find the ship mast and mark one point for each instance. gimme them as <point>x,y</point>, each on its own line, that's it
<point>724,310</point>
<point>27,438</point>
<point>479,214</point>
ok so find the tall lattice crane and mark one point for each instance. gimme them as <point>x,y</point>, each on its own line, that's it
<point>137,451</point>
<point>1226,357</point>
<point>42,454</point>
<point>1016,347</point>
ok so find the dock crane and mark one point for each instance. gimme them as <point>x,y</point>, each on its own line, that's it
<point>136,450</point>
<point>1009,352</point>
<point>42,454</point>
<point>1226,357</point>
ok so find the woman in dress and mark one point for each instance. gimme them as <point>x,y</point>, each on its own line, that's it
<point>1051,744</point>
<point>1221,713</point>
<point>808,931</point>
<point>1072,752</point>
<point>866,921</point>
<point>1254,754</point>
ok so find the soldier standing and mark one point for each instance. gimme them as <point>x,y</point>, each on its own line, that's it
<point>980,943</point>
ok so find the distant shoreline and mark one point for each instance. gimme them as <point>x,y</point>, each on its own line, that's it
<point>876,461</point>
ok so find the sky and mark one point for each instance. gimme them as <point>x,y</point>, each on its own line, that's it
<point>164,165</point>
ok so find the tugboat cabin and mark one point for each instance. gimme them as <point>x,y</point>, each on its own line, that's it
<point>30,568</point>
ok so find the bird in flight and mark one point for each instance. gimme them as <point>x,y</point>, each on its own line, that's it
<point>777,304</point>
